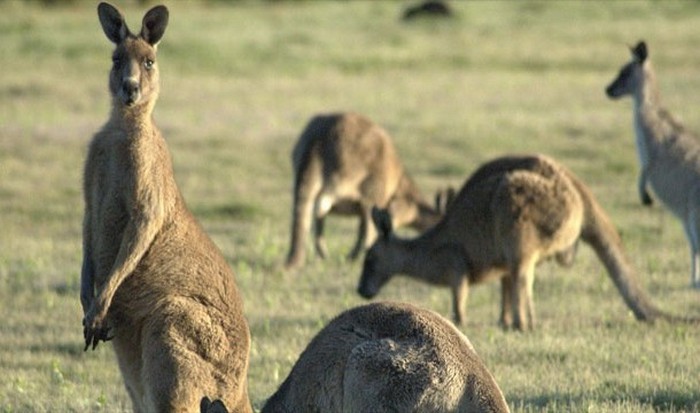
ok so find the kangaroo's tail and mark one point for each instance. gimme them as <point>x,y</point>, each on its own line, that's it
<point>599,232</point>
<point>307,185</point>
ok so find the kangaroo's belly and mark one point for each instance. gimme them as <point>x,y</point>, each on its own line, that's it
<point>674,185</point>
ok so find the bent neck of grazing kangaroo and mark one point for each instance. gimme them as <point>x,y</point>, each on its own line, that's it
<point>426,257</point>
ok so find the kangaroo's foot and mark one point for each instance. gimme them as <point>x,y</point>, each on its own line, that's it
<point>506,323</point>
<point>293,262</point>
<point>321,249</point>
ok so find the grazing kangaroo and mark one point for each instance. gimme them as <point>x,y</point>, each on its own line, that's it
<point>511,213</point>
<point>669,154</point>
<point>428,8</point>
<point>151,279</point>
<point>388,357</point>
<point>345,164</point>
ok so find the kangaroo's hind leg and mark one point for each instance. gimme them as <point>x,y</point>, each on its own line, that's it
<point>506,320</point>
<point>322,207</point>
<point>523,278</point>
<point>366,233</point>
<point>692,231</point>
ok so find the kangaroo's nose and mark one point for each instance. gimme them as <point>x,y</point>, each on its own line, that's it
<point>130,88</point>
<point>610,91</point>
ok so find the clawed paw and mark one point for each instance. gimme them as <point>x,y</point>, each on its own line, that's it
<point>95,329</point>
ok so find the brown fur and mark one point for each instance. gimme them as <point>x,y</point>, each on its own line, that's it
<point>512,213</point>
<point>388,357</point>
<point>151,277</point>
<point>668,153</point>
<point>345,164</point>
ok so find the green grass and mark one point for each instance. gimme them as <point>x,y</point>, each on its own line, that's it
<point>239,82</point>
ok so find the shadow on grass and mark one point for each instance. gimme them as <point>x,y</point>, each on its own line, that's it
<point>73,348</point>
<point>658,400</point>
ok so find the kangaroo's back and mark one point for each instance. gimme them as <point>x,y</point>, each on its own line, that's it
<point>344,164</point>
<point>511,207</point>
<point>377,349</point>
<point>349,145</point>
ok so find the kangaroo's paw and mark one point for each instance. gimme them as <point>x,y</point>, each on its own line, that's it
<point>95,329</point>
<point>646,199</point>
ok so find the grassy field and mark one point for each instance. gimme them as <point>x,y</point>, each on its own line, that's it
<point>238,85</point>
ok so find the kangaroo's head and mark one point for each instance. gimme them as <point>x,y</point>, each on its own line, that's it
<point>631,75</point>
<point>133,80</point>
<point>381,259</point>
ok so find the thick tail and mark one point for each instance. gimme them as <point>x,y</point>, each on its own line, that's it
<point>307,184</point>
<point>599,232</point>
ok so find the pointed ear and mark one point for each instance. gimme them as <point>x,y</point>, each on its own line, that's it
<point>444,198</point>
<point>112,22</point>
<point>382,220</point>
<point>640,52</point>
<point>154,24</point>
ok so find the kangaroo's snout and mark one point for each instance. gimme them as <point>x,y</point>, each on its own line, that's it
<point>365,292</point>
<point>367,289</point>
<point>610,91</point>
<point>130,91</point>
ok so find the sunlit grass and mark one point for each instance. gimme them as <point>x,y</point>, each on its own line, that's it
<point>239,83</point>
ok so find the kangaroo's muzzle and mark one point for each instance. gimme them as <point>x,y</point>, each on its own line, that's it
<point>130,92</point>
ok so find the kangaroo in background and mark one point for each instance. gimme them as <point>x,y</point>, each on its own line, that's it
<point>151,279</point>
<point>345,164</point>
<point>428,8</point>
<point>388,357</point>
<point>512,213</point>
<point>668,153</point>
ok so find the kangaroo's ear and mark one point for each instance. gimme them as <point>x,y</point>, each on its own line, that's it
<point>640,52</point>
<point>217,406</point>
<point>382,220</point>
<point>112,22</point>
<point>208,406</point>
<point>204,404</point>
<point>154,23</point>
<point>444,198</point>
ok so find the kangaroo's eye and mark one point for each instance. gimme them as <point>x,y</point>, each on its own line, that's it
<point>148,64</point>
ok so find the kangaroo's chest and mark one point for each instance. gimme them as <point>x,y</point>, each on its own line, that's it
<point>640,134</point>
<point>674,173</point>
<point>111,185</point>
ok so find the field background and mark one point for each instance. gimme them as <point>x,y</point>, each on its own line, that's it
<point>240,81</point>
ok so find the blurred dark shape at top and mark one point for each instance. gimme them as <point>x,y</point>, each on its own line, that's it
<point>430,8</point>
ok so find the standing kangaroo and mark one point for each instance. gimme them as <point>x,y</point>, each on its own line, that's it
<point>512,213</point>
<point>151,279</point>
<point>388,357</point>
<point>345,164</point>
<point>669,155</point>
